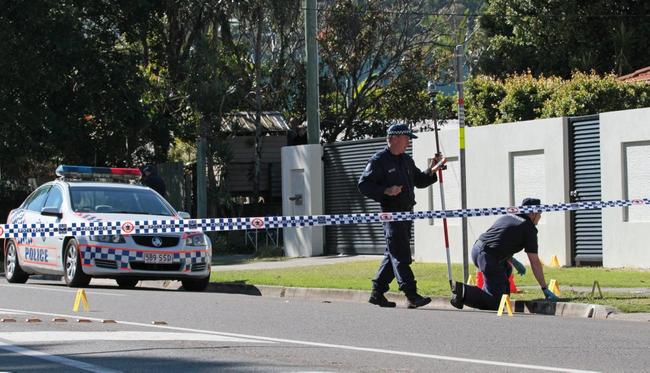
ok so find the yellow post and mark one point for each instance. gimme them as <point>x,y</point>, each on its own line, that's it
<point>81,298</point>
<point>505,302</point>
<point>555,262</point>
<point>554,286</point>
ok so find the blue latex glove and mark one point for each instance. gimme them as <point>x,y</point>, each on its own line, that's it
<point>550,295</point>
<point>521,269</point>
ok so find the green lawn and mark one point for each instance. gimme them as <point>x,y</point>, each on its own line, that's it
<point>432,280</point>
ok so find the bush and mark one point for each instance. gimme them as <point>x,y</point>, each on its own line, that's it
<point>588,94</point>
<point>525,97</point>
<point>482,97</point>
<point>522,97</point>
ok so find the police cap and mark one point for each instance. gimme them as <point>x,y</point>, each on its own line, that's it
<point>528,201</point>
<point>400,129</point>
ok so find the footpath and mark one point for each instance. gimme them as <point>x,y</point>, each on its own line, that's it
<point>584,310</point>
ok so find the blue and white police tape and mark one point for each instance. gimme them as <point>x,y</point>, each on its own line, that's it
<point>231,224</point>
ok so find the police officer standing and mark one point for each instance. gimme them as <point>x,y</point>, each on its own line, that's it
<point>493,255</point>
<point>390,178</point>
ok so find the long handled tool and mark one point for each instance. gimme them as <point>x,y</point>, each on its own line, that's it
<point>432,94</point>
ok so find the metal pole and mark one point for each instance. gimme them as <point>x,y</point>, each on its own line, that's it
<point>461,142</point>
<point>432,94</point>
<point>201,185</point>
<point>313,121</point>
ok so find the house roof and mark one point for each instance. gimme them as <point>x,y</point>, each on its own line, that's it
<point>244,122</point>
<point>640,75</point>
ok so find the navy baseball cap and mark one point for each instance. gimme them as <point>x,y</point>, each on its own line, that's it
<point>528,201</point>
<point>400,129</point>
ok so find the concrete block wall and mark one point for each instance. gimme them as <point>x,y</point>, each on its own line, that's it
<point>625,174</point>
<point>505,163</point>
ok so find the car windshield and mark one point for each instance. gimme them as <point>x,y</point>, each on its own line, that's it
<point>117,201</point>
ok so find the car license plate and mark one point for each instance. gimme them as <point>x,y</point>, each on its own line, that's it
<point>158,258</point>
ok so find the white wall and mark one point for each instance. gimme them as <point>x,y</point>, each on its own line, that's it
<point>429,234</point>
<point>625,173</point>
<point>504,163</point>
<point>302,173</point>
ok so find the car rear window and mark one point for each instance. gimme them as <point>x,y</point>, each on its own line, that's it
<point>117,201</point>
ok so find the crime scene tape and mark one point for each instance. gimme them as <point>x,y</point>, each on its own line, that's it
<point>230,224</point>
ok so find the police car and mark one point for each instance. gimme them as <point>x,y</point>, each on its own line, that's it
<point>95,194</point>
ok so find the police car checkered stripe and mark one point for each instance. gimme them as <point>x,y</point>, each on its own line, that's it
<point>124,256</point>
<point>230,224</point>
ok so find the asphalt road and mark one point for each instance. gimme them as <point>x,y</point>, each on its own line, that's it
<point>241,333</point>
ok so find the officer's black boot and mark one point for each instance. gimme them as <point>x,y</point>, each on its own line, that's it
<point>415,300</point>
<point>379,299</point>
<point>457,299</point>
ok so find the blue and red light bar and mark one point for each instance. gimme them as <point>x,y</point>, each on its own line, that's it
<point>87,172</point>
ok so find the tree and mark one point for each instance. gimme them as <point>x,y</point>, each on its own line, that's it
<point>365,47</point>
<point>556,37</point>
<point>70,92</point>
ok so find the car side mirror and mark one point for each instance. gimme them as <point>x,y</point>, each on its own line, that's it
<point>184,215</point>
<point>51,211</point>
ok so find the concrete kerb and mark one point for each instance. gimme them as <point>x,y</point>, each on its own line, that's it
<point>582,310</point>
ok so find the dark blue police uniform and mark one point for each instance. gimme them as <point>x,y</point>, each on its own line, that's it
<point>384,170</point>
<point>507,236</point>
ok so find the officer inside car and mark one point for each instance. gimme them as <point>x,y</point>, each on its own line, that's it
<point>493,255</point>
<point>390,178</point>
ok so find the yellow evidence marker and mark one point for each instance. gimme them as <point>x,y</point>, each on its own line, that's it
<point>81,298</point>
<point>505,302</point>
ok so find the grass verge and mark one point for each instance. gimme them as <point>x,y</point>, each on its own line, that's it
<point>432,280</point>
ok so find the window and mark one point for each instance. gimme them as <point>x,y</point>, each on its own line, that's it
<point>37,199</point>
<point>54,198</point>
<point>117,201</point>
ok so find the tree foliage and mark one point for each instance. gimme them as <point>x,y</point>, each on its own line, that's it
<point>524,97</point>
<point>557,37</point>
<point>367,48</point>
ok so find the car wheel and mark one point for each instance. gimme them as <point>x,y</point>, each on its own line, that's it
<point>196,285</point>
<point>126,283</point>
<point>13,272</point>
<point>73,274</point>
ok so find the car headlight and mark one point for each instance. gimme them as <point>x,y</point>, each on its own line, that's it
<point>108,238</point>
<point>195,240</point>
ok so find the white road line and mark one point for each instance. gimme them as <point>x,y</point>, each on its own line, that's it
<point>44,336</point>
<point>55,359</point>
<point>336,346</point>
<point>72,291</point>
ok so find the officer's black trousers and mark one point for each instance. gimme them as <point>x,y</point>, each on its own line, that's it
<point>397,259</point>
<point>496,282</point>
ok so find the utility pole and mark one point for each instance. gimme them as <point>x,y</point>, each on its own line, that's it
<point>201,184</point>
<point>461,142</point>
<point>313,121</point>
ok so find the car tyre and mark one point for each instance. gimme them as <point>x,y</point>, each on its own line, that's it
<point>196,284</point>
<point>13,271</point>
<point>73,274</point>
<point>126,283</point>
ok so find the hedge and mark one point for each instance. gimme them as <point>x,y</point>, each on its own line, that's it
<point>524,97</point>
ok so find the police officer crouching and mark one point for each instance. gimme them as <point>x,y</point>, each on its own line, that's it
<point>493,255</point>
<point>390,178</point>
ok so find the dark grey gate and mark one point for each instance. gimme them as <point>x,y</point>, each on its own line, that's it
<point>343,164</point>
<point>586,232</point>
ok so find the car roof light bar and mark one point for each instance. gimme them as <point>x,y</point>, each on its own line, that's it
<point>67,172</point>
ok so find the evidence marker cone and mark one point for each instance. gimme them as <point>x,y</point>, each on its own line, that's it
<point>555,262</point>
<point>513,287</point>
<point>505,302</point>
<point>554,286</point>
<point>81,298</point>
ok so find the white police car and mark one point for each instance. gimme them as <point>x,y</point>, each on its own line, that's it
<point>78,197</point>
